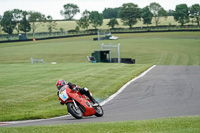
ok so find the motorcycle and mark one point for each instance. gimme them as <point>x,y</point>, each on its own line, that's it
<point>79,105</point>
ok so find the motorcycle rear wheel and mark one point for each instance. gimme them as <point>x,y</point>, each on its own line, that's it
<point>99,111</point>
<point>76,113</point>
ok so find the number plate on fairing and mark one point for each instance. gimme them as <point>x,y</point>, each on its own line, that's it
<point>63,95</point>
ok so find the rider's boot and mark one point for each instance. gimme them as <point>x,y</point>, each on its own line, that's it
<point>87,93</point>
<point>95,103</point>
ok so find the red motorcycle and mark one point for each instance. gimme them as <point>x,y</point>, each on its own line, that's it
<point>79,105</point>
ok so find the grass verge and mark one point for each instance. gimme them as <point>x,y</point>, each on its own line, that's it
<point>190,124</point>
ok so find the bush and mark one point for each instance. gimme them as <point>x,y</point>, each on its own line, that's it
<point>77,29</point>
<point>71,31</point>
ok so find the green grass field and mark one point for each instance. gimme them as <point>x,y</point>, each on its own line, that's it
<point>173,48</point>
<point>169,125</point>
<point>28,90</point>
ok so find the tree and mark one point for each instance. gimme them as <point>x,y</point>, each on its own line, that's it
<point>17,17</point>
<point>96,19</point>
<point>36,18</point>
<point>51,24</point>
<point>195,13</point>
<point>84,21</point>
<point>7,22</point>
<point>61,30</point>
<point>70,10</point>
<point>157,12</point>
<point>112,23</point>
<point>111,13</point>
<point>181,14</point>
<point>24,24</point>
<point>146,15</point>
<point>77,29</point>
<point>0,24</point>
<point>130,14</point>
<point>170,13</point>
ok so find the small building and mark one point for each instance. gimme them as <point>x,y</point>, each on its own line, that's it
<point>102,56</point>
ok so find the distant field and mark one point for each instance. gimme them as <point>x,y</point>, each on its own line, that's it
<point>28,91</point>
<point>70,25</point>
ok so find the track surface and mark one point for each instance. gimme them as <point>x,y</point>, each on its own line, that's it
<point>165,91</point>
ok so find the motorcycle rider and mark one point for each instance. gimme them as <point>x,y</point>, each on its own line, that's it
<point>61,84</point>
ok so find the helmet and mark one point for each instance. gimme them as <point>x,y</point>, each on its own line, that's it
<point>60,83</point>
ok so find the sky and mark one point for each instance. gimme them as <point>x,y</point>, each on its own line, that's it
<point>53,7</point>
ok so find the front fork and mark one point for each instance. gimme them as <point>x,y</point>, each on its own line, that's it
<point>75,104</point>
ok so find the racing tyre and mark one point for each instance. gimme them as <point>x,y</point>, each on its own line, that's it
<point>75,112</point>
<point>99,111</point>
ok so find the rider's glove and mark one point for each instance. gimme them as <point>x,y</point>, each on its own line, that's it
<point>76,88</point>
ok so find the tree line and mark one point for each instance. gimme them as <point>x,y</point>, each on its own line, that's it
<point>24,21</point>
<point>129,13</point>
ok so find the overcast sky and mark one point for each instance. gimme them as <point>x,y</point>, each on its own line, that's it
<point>53,7</point>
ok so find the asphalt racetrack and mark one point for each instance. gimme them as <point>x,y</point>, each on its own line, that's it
<point>164,91</point>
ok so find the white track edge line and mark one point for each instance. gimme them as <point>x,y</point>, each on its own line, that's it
<point>26,121</point>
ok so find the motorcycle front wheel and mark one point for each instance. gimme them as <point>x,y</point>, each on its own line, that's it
<point>75,112</point>
<point>99,111</point>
